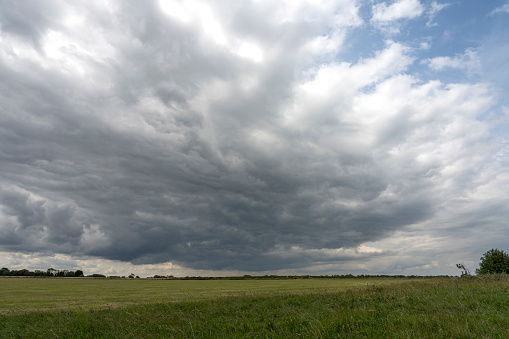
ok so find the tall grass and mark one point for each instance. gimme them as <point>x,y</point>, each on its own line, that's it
<point>443,308</point>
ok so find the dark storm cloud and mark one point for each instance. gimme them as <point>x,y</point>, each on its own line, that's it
<point>141,139</point>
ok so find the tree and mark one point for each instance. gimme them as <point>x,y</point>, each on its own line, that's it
<point>60,273</point>
<point>78,273</point>
<point>494,261</point>
<point>24,273</point>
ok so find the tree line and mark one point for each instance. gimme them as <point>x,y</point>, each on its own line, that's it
<point>50,272</point>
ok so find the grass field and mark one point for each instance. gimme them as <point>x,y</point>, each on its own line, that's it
<point>307,308</point>
<point>29,294</point>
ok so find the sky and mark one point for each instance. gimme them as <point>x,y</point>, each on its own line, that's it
<point>221,138</point>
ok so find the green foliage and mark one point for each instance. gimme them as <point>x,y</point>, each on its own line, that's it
<point>50,272</point>
<point>494,261</point>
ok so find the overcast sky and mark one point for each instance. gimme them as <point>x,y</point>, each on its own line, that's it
<point>254,136</point>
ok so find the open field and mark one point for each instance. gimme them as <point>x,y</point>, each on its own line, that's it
<point>328,308</point>
<point>22,294</point>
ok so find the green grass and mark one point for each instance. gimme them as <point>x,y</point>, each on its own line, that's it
<point>22,294</point>
<point>443,308</point>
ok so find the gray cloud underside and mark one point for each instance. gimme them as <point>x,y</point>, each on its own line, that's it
<point>164,152</point>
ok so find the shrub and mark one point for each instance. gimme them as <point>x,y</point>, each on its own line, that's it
<point>494,261</point>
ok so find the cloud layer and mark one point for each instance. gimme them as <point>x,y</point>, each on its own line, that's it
<point>233,137</point>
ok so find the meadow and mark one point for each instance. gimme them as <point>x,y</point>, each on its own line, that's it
<point>300,308</point>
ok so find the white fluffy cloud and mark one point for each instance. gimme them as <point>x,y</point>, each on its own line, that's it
<point>401,9</point>
<point>469,61</point>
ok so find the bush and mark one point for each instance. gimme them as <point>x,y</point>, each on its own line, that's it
<point>494,261</point>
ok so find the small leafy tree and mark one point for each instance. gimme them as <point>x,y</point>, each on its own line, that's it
<point>494,261</point>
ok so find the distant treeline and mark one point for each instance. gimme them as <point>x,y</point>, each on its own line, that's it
<point>269,277</point>
<point>50,272</point>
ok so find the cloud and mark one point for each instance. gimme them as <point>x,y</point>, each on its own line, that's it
<point>388,18</point>
<point>469,61</point>
<point>435,8</point>
<point>35,224</point>
<point>30,19</point>
<point>402,9</point>
<point>501,9</point>
<point>234,140</point>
